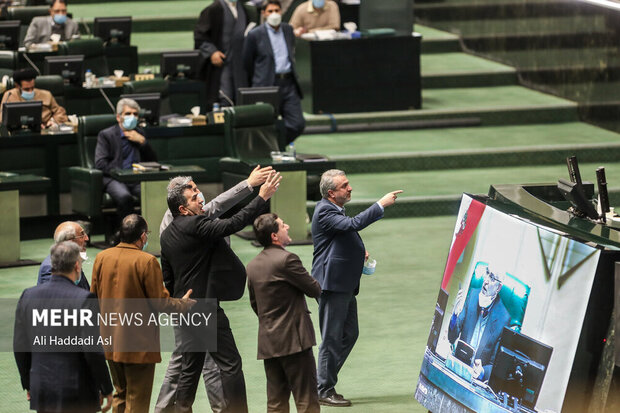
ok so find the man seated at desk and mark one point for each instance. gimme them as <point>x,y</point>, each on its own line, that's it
<point>24,90</point>
<point>118,147</point>
<point>315,15</point>
<point>42,28</point>
<point>479,320</point>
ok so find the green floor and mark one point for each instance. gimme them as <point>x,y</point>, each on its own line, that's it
<point>395,308</point>
<point>138,9</point>
<point>454,182</point>
<point>459,63</point>
<point>453,139</point>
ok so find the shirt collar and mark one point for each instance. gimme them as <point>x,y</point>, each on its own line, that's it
<point>269,27</point>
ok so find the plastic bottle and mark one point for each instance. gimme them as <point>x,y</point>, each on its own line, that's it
<point>89,78</point>
<point>216,107</point>
<point>290,151</point>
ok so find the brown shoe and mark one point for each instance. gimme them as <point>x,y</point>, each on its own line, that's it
<point>334,400</point>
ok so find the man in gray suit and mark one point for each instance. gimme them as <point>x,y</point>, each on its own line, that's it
<point>210,371</point>
<point>269,59</point>
<point>42,27</point>
<point>277,282</point>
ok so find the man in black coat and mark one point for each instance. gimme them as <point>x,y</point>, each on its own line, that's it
<point>219,35</point>
<point>67,381</point>
<point>118,147</point>
<point>193,251</point>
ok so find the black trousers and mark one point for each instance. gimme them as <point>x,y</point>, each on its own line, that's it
<point>227,358</point>
<point>294,373</point>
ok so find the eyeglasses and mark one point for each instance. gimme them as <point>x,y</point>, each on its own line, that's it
<point>147,233</point>
<point>82,235</point>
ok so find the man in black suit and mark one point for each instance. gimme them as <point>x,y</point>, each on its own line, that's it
<point>269,59</point>
<point>277,282</point>
<point>63,382</point>
<point>194,252</point>
<point>118,147</point>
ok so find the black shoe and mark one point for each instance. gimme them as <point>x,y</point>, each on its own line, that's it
<point>335,400</point>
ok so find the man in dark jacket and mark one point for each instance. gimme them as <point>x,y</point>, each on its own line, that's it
<point>118,147</point>
<point>194,252</point>
<point>60,381</point>
<point>219,35</point>
<point>278,281</point>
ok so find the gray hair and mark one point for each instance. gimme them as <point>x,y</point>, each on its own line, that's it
<point>126,102</point>
<point>64,255</point>
<point>67,232</point>
<point>176,189</point>
<point>327,181</point>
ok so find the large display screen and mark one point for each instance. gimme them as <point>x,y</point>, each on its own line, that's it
<point>508,317</point>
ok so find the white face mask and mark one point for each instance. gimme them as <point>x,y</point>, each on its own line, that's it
<point>274,19</point>
<point>485,300</point>
<point>83,256</point>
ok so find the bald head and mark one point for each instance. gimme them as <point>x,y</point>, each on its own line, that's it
<point>71,231</point>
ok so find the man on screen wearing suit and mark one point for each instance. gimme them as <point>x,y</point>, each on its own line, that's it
<point>61,381</point>
<point>479,321</point>
<point>277,282</point>
<point>269,59</point>
<point>337,262</point>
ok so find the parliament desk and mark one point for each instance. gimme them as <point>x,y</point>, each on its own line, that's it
<point>360,75</point>
<point>153,194</point>
<point>10,185</point>
<point>45,154</point>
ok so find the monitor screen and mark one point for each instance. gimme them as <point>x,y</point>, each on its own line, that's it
<point>22,116</point>
<point>71,68</point>
<point>180,64</point>
<point>113,30</point>
<point>252,95</point>
<point>9,35</point>
<point>520,367</point>
<point>149,106</point>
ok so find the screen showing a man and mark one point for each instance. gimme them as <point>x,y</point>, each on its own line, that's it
<point>478,321</point>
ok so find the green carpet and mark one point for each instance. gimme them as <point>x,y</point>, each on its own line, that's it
<point>453,139</point>
<point>139,9</point>
<point>395,309</point>
<point>459,63</point>
<point>476,181</point>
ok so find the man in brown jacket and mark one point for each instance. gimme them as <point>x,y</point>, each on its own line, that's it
<point>127,272</point>
<point>24,91</point>
<point>277,282</point>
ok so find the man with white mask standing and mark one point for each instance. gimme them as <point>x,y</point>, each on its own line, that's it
<point>269,59</point>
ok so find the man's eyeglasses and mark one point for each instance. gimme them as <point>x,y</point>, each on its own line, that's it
<point>82,235</point>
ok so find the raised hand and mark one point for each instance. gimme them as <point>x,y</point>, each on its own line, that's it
<point>259,175</point>
<point>270,186</point>
<point>389,198</point>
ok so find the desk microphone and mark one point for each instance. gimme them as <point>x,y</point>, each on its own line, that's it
<point>31,63</point>
<point>229,100</point>
<point>107,99</point>
<point>83,23</point>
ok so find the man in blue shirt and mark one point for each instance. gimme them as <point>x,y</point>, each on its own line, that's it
<point>269,59</point>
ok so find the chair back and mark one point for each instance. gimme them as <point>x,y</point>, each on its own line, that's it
<point>514,293</point>
<point>88,130</point>
<point>54,84</point>
<point>157,85</point>
<point>8,59</point>
<point>251,132</point>
<point>94,54</point>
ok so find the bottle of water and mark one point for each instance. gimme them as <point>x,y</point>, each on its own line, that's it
<point>216,107</point>
<point>89,78</point>
<point>290,152</point>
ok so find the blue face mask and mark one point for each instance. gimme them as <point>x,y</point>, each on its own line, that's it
<point>130,122</point>
<point>146,244</point>
<point>60,18</point>
<point>28,95</point>
<point>318,4</point>
<point>77,282</point>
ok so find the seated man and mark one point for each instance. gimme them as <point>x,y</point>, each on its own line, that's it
<point>315,15</point>
<point>42,27</point>
<point>24,90</point>
<point>479,320</point>
<point>118,147</point>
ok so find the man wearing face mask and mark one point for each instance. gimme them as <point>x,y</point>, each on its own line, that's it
<point>315,15</point>
<point>42,27</point>
<point>269,59</point>
<point>67,381</point>
<point>127,272</point>
<point>219,36</point>
<point>66,231</point>
<point>479,320</point>
<point>118,147</point>
<point>24,91</point>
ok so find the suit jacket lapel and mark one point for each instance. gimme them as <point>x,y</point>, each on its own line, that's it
<point>266,36</point>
